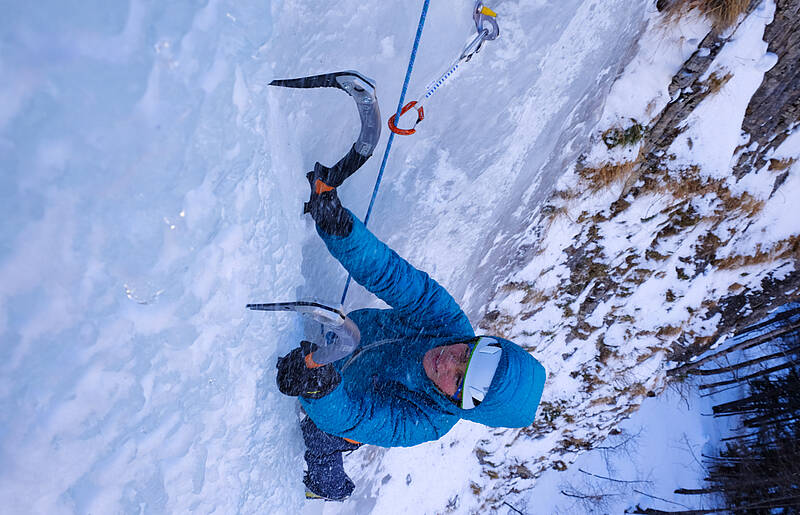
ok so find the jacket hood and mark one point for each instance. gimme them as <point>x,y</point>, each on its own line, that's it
<point>515,392</point>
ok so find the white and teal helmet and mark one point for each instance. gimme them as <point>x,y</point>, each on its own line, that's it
<point>481,367</point>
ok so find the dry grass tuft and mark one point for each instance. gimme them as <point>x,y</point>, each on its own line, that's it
<point>779,165</point>
<point>745,204</point>
<point>605,176</point>
<point>722,13</point>
<point>783,249</point>
<point>604,401</point>
<point>651,351</point>
<point>689,183</point>
<point>668,331</point>
<point>715,82</point>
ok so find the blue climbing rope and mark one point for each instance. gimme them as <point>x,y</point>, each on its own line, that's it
<point>391,135</point>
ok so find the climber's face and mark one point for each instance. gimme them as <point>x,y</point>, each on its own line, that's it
<point>446,365</point>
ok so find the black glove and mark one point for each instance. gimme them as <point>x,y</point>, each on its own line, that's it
<point>295,378</point>
<point>327,210</point>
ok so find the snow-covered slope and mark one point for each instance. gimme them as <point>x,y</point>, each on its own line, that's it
<point>627,266</point>
<point>152,184</point>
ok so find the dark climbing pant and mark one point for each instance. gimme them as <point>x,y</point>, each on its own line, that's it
<point>326,476</point>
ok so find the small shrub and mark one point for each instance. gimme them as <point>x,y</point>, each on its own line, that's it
<point>550,412</point>
<point>616,136</point>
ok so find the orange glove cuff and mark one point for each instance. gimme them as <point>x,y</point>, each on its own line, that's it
<point>320,187</point>
<point>310,363</point>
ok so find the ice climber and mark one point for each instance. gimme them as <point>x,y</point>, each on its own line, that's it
<point>418,367</point>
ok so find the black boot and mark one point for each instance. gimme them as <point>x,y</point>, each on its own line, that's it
<point>326,209</point>
<point>326,478</point>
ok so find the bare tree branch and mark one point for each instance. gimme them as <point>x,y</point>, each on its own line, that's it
<point>612,479</point>
<point>661,499</point>
<point>743,364</point>
<point>768,336</point>
<point>764,372</point>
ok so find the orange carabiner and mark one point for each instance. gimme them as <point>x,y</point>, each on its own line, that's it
<point>406,108</point>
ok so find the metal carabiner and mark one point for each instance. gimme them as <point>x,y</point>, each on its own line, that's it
<point>486,25</point>
<point>407,132</point>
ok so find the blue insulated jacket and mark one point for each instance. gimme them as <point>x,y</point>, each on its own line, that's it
<point>384,397</point>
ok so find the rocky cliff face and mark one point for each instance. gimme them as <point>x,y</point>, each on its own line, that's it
<point>671,232</point>
<point>687,89</point>
<point>774,110</point>
<point>772,115</point>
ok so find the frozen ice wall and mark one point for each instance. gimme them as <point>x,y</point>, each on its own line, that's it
<point>141,207</point>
